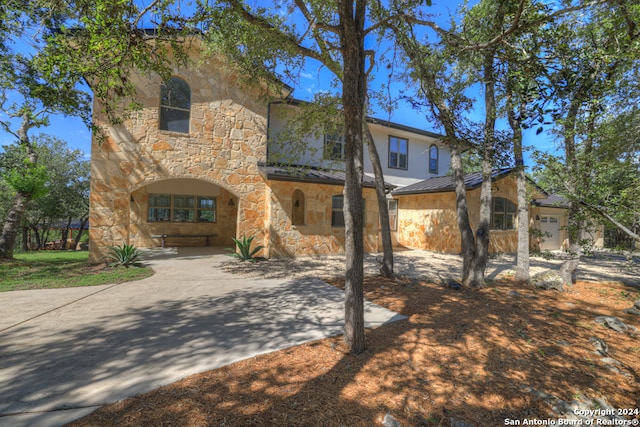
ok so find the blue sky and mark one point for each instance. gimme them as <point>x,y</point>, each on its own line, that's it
<point>313,79</point>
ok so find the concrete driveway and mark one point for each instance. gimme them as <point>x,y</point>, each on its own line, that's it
<point>65,352</point>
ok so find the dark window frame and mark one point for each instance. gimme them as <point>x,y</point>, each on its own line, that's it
<point>193,210</point>
<point>175,111</point>
<point>334,147</point>
<point>503,214</point>
<point>393,225</point>
<point>433,161</point>
<point>395,162</point>
<point>337,214</point>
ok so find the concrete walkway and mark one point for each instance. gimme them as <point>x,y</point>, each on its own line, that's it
<point>65,352</point>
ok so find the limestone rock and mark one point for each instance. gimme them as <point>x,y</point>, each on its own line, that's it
<point>390,421</point>
<point>632,310</point>
<point>615,324</point>
<point>548,280</point>
<point>600,345</point>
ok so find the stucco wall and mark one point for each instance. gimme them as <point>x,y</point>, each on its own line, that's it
<point>429,221</point>
<point>226,140</point>
<point>316,236</point>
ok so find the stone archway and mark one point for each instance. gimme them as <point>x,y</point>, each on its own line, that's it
<point>192,212</point>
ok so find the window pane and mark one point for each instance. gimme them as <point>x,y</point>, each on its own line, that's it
<point>174,120</point>
<point>511,207</point>
<point>337,202</point>
<point>183,201</point>
<point>433,159</point>
<point>393,145</point>
<point>160,200</point>
<point>159,214</point>
<point>509,224</point>
<point>393,214</point>
<point>337,214</point>
<point>393,160</point>
<point>433,165</point>
<point>176,93</point>
<point>498,221</point>
<point>403,161</point>
<point>206,216</point>
<point>553,220</point>
<point>498,205</point>
<point>183,215</point>
<point>403,146</point>
<point>206,203</point>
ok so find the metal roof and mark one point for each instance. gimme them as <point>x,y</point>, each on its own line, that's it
<point>553,201</point>
<point>442,184</point>
<point>310,174</point>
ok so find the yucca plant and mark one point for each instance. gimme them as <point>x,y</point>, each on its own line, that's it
<point>125,255</point>
<point>243,249</point>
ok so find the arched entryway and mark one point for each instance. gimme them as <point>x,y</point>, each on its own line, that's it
<point>182,212</point>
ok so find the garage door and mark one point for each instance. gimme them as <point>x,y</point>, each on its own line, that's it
<point>550,226</point>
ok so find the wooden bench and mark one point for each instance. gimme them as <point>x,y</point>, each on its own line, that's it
<point>164,236</point>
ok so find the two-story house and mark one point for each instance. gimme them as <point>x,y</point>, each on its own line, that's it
<point>201,162</point>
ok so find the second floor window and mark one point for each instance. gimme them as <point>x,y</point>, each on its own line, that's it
<point>398,152</point>
<point>175,105</point>
<point>433,159</point>
<point>334,146</point>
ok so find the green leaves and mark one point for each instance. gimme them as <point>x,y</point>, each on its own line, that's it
<point>243,249</point>
<point>125,255</point>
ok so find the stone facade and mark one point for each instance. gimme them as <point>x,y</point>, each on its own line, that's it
<point>316,235</point>
<point>219,158</point>
<point>429,221</point>
<point>226,140</point>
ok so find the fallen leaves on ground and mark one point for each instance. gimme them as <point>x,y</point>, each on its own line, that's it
<point>465,354</point>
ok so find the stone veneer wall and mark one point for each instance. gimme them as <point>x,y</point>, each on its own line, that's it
<point>316,236</point>
<point>140,230</point>
<point>429,221</point>
<point>227,139</point>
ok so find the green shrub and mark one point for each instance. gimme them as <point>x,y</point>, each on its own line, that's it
<point>243,249</point>
<point>125,255</point>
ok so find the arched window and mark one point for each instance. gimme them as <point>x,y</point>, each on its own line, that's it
<point>433,159</point>
<point>297,210</point>
<point>175,105</point>
<point>503,214</point>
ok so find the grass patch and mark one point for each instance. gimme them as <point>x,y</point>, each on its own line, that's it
<point>61,269</point>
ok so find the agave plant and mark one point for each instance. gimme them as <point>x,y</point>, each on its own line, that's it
<point>125,255</point>
<point>243,249</point>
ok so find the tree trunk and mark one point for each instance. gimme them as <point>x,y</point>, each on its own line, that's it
<point>353,98</point>
<point>83,223</point>
<point>383,208</point>
<point>14,218</point>
<point>12,225</point>
<point>25,239</point>
<point>467,239</point>
<point>522,255</point>
<point>574,228</point>
<point>479,264</point>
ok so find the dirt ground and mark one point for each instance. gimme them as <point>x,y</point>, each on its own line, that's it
<point>487,357</point>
